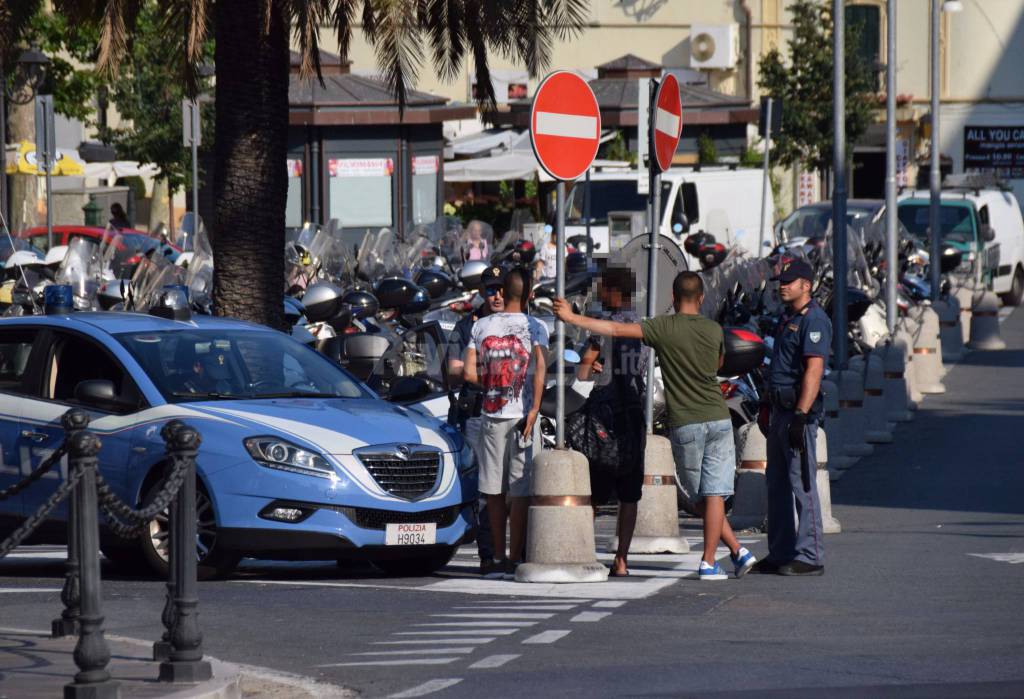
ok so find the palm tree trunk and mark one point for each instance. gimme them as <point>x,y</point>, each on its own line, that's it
<point>250,185</point>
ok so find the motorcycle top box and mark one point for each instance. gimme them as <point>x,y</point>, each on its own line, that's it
<point>744,352</point>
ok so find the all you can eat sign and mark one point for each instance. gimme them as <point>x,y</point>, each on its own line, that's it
<point>998,149</point>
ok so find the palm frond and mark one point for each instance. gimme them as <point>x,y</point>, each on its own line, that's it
<point>116,25</point>
<point>307,16</point>
<point>446,27</point>
<point>344,18</point>
<point>398,46</point>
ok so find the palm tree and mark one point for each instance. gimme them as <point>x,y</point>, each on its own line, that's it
<point>252,74</point>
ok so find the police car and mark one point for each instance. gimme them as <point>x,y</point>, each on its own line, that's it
<point>298,461</point>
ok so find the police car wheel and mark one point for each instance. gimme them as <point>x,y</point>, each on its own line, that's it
<point>1016,293</point>
<point>417,565</point>
<point>211,562</point>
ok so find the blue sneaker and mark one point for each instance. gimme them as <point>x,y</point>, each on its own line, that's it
<point>711,572</point>
<point>742,562</point>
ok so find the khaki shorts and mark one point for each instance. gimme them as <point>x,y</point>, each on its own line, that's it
<point>504,466</point>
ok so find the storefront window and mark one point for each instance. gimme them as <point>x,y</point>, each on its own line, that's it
<point>424,188</point>
<point>360,191</point>
<point>293,209</point>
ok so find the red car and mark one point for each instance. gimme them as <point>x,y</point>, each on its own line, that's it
<point>132,244</point>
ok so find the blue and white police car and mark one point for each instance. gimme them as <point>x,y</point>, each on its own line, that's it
<point>298,461</point>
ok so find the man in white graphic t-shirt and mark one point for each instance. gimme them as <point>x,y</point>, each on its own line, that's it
<point>505,357</point>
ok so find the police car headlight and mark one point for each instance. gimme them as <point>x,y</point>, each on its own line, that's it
<point>467,461</point>
<point>284,456</point>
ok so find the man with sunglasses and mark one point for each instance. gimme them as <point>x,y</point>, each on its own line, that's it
<point>465,412</point>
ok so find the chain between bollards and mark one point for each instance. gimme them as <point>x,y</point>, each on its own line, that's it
<point>185,662</point>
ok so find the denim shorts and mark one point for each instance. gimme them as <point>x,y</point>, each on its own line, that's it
<point>705,456</point>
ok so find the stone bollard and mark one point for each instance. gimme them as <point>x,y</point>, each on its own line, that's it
<point>878,431</point>
<point>965,299</point>
<point>905,342</point>
<point>839,462</point>
<point>750,499</point>
<point>657,517</point>
<point>897,393</point>
<point>927,360</point>
<point>985,323</point>
<point>852,420</point>
<point>950,334</point>
<point>828,521</point>
<point>560,533</point>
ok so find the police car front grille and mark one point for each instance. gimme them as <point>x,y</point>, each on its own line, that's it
<point>409,478</point>
<point>366,518</point>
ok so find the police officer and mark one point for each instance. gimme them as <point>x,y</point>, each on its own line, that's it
<point>790,421</point>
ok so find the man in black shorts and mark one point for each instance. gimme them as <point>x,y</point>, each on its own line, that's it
<point>620,365</point>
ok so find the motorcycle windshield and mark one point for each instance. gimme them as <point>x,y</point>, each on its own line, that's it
<point>151,276</point>
<point>81,269</point>
<point>199,275</point>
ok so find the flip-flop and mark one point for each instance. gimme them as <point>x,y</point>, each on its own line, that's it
<point>613,574</point>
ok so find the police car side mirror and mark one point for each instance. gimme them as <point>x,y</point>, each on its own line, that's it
<point>987,234</point>
<point>100,393</point>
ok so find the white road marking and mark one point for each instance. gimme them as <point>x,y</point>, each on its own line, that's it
<point>22,590</point>
<point>1001,557</point>
<point>477,624</point>
<point>547,636</point>
<point>566,125</point>
<point>492,615</point>
<point>468,632</point>
<point>587,591</point>
<point>48,555</point>
<point>420,651</point>
<point>525,607</point>
<point>410,661</point>
<point>666,122</point>
<point>609,604</point>
<point>492,661</point>
<point>435,641</point>
<point>590,616</point>
<point>426,688</point>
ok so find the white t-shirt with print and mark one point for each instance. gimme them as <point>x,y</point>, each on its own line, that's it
<point>504,345</point>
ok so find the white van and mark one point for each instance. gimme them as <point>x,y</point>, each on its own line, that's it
<point>1000,229</point>
<point>718,200</point>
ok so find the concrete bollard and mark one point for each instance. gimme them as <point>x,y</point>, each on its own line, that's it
<point>927,360</point>
<point>905,342</point>
<point>965,299</point>
<point>950,334</point>
<point>896,392</point>
<point>839,462</point>
<point>852,419</point>
<point>985,323</point>
<point>878,429</point>
<point>828,521</point>
<point>560,533</point>
<point>750,498</point>
<point>657,517</point>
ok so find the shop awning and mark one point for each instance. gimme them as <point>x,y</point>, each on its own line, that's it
<point>21,160</point>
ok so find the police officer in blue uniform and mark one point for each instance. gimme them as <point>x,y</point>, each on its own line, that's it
<point>790,421</point>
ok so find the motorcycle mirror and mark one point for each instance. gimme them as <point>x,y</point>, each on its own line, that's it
<point>677,228</point>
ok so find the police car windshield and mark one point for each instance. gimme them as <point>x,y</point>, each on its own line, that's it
<point>191,365</point>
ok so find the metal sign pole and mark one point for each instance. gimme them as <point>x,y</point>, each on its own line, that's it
<point>652,253</point>
<point>195,174</point>
<point>764,184</point>
<point>839,262</point>
<point>46,154</point>
<point>892,266</point>
<point>559,325</point>
<point>586,217</point>
<point>934,173</point>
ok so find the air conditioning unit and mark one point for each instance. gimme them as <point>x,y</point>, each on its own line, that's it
<point>714,46</point>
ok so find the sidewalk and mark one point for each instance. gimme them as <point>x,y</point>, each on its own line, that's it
<point>34,665</point>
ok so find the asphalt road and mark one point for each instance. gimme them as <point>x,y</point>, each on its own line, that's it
<point>923,594</point>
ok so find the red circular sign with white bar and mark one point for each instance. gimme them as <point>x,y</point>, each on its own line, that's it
<point>565,125</point>
<point>667,121</point>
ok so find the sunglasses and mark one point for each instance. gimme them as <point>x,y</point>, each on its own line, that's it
<point>492,291</point>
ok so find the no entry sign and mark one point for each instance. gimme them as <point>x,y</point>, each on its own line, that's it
<point>666,121</point>
<point>565,125</point>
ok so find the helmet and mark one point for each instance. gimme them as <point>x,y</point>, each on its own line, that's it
<point>525,252</point>
<point>711,256</point>
<point>576,263</point>
<point>694,241</point>
<point>26,257</point>
<point>419,303</point>
<point>363,303</point>
<point>434,281</point>
<point>394,292</point>
<point>56,254</point>
<point>321,301</point>
<point>470,274</point>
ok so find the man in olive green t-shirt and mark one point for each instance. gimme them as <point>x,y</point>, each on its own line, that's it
<point>690,350</point>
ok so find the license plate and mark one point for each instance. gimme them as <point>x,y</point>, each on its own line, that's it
<point>410,534</point>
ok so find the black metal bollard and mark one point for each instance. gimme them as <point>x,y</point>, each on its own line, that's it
<point>186,662</point>
<point>73,421</point>
<point>162,648</point>
<point>91,652</point>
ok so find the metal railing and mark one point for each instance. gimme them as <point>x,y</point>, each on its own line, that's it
<point>180,649</point>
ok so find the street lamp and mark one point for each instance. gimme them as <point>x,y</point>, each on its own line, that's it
<point>30,71</point>
<point>935,176</point>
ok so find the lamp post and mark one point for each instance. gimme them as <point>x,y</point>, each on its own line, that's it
<point>839,261</point>
<point>30,70</point>
<point>935,174</point>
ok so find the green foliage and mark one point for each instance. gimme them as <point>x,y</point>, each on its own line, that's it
<point>751,158</point>
<point>805,86</point>
<point>616,150</point>
<point>707,152</point>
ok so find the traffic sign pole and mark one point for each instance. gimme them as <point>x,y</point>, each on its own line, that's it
<point>764,177</point>
<point>559,325</point>
<point>654,197</point>
<point>45,147</point>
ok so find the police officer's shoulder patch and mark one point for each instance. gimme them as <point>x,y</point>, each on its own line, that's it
<point>815,336</point>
